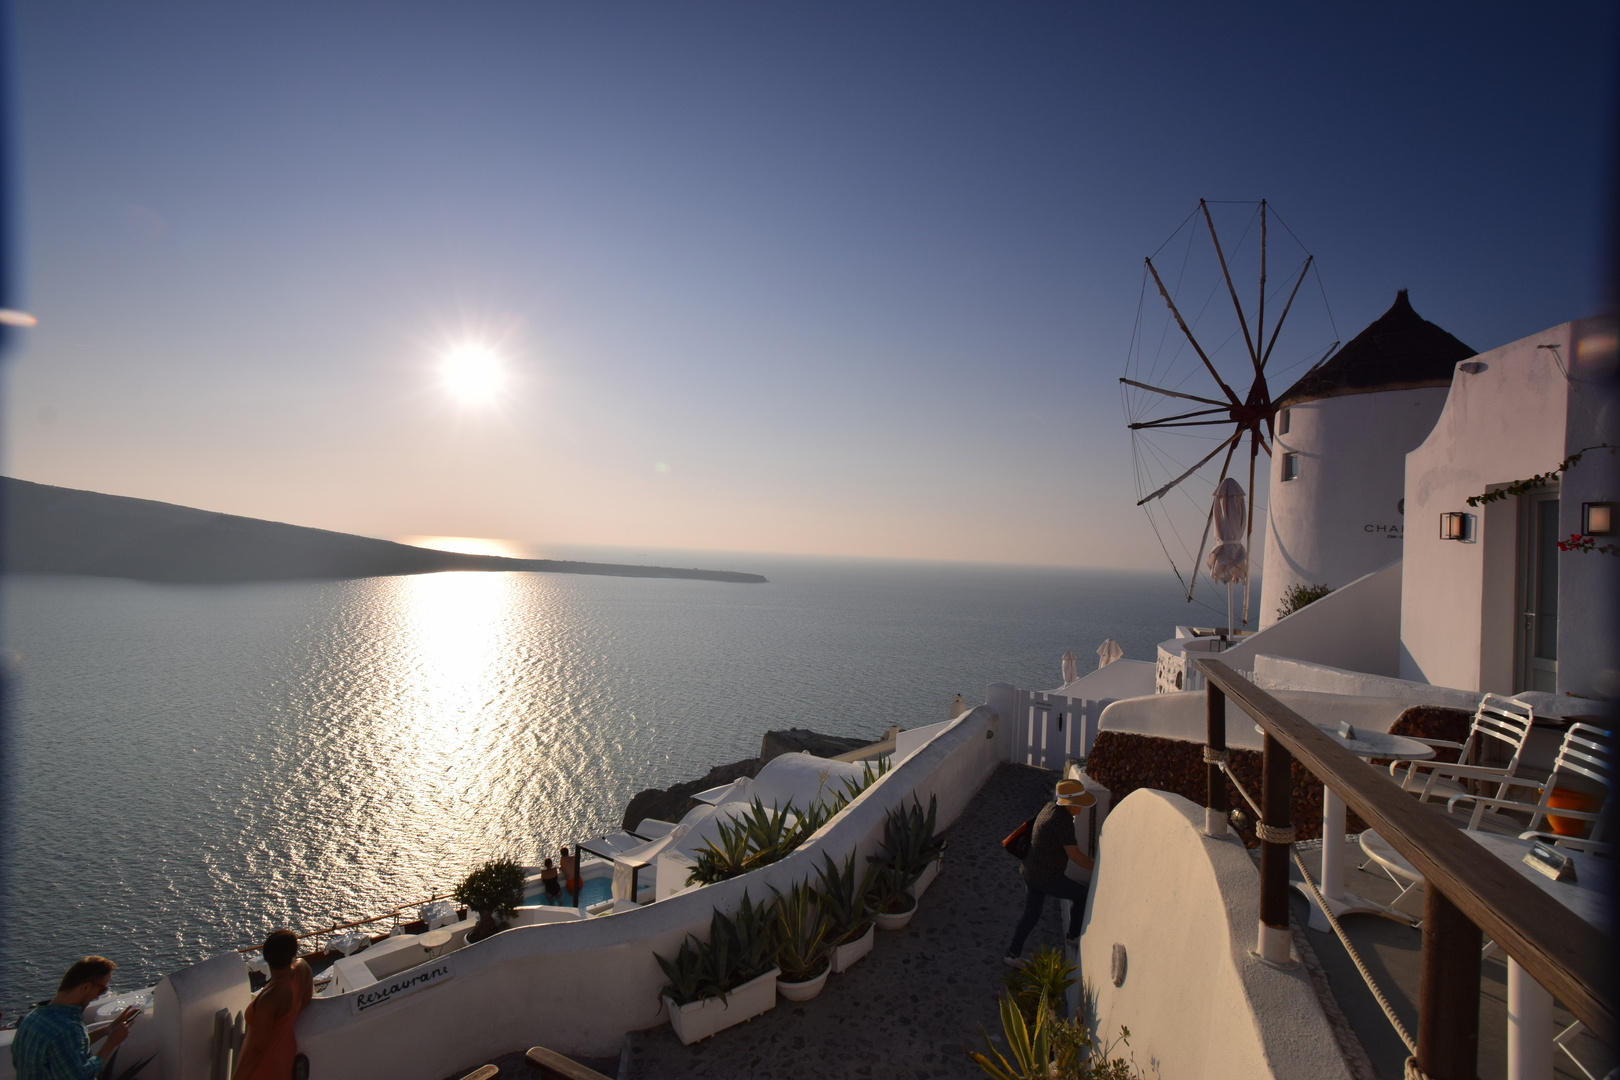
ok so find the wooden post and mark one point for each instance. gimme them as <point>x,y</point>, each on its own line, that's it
<point>1216,805</point>
<point>1276,794</point>
<point>1448,991</point>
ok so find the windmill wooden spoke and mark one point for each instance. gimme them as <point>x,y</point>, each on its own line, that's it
<point>1259,331</point>
<point>1184,423</point>
<point>1281,318</point>
<point>1227,390</point>
<point>1254,357</point>
<point>1201,463</point>
<point>1172,393</point>
<point>1248,538</point>
<point>1171,421</point>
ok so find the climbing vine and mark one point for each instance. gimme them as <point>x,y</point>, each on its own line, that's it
<point>1540,480</point>
<point>1576,541</point>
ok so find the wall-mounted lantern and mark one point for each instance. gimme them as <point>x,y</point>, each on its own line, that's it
<point>1453,526</point>
<point>1597,519</point>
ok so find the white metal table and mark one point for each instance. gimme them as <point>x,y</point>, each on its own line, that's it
<point>1363,744</point>
<point>1529,1006</point>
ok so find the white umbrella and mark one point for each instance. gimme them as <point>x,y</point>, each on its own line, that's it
<point>1071,668</point>
<point>1229,561</point>
<point>1108,652</point>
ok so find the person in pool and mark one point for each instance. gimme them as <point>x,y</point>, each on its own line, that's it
<point>570,872</point>
<point>548,877</point>
<point>270,1049</point>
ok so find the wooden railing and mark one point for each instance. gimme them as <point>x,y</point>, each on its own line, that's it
<point>1469,890</point>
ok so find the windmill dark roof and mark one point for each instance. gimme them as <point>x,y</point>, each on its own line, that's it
<point>1400,351</point>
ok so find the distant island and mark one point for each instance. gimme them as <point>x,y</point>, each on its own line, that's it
<point>56,530</point>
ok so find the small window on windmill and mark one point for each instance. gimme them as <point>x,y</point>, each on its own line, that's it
<point>1290,467</point>
<point>1282,422</point>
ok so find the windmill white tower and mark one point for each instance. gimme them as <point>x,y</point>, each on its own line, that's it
<point>1338,465</point>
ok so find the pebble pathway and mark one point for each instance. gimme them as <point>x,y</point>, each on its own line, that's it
<point>911,1006</point>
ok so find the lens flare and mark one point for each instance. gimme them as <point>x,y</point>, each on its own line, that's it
<point>474,375</point>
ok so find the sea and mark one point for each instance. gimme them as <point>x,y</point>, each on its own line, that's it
<point>187,767</point>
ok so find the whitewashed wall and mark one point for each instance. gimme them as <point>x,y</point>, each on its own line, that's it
<point>1341,518</point>
<point>1199,1004</point>
<point>1518,416</point>
<point>1357,627</point>
<point>578,987</point>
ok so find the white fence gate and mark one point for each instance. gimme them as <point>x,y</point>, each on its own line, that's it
<point>1042,729</point>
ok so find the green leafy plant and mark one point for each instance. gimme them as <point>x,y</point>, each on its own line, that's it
<point>738,949</point>
<point>844,898</point>
<point>1298,596</point>
<point>1051,1048</point>
<point>1540,480</point>
<point>801,933</point>
<point>1046,976</point>
<point>910,843</point>
<point>494,890</point>
<point>887,893</point>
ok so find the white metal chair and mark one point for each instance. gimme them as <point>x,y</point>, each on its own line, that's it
<point>1498,720</point>
<point>1586,751</point>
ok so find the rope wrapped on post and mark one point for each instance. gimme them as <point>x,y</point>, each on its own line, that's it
<point>1215,757</point>
<point>1274,835</point>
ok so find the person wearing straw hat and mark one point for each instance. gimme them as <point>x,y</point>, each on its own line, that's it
<point>1051,848</point>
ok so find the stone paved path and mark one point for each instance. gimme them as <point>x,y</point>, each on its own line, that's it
<point>909,1007</point>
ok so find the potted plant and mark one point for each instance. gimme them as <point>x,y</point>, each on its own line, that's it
<point>724,981</point>
<point>803,952</point>
<point>844,905</point>
<point>494,890</point>
<point>912,846</point>
<point>890,899</point>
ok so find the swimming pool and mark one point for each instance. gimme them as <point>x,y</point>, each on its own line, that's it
<point>592,891</point>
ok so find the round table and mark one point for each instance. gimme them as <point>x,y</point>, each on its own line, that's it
<point>1364,744</point>
<point>434,941</point>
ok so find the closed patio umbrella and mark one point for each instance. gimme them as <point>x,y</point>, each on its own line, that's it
<point>1108,652</point>
<point>1071,668</point>
<point>1229,561</point>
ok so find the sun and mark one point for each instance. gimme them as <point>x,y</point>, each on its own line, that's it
<point>473,374</point>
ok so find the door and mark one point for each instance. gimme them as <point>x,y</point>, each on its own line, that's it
<point>1538,594</point>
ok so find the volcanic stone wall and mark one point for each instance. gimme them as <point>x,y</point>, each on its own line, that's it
<point>1123,761</point>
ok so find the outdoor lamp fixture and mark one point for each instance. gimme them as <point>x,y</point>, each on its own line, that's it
<point>1597,519</point>
<point>1453,526</point>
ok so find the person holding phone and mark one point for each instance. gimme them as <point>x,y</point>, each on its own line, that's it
<point>270,1047</point>
<point>52,1043</point>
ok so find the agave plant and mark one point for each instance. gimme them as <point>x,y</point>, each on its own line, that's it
<point>1046,976</point>
<point>888,890</point>
<point>684,972</point>
<point>844,898</point>
<point>723,856</point>
<point>801,933</point>
<point>1030,1043</point>
<point>909,840</point>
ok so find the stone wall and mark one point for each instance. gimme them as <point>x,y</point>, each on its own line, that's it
<point>1123,761</point>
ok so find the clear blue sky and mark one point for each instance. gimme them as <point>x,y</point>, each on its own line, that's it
<point>818,277</point>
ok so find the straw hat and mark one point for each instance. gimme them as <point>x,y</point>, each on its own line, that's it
<point>1074,793</point>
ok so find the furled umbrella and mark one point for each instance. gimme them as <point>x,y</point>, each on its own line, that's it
<point>1071,667</point>
<point>1108,652</point>
<point>1229,561</point>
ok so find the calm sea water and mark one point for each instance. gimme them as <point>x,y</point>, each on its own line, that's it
<point>191,766</point>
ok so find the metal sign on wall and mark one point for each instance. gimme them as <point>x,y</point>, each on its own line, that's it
<point>403,985</point>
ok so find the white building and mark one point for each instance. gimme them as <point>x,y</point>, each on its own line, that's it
<point>1338,464</point>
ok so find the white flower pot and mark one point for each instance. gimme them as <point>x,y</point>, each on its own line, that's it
<point>700,1019</point>
<point>886,921</point>
<point>844,956</point>
<point>921,885</point>
<point>804,991</point>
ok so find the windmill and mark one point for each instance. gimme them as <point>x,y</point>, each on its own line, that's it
<point>1195,388</point>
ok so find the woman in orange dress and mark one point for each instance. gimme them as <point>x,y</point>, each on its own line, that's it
<point>270,1047</point>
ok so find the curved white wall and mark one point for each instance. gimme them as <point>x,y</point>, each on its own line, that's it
<point>578,987</point>
<point>1198,1003</point>
<point>1341,518</point>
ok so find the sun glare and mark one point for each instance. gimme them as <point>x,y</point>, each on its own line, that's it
<point>474,375</point>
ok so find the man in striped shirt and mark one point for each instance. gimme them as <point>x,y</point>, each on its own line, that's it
<point>51,1041</point>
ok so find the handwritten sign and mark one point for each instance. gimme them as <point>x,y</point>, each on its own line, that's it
<point>403,985</point>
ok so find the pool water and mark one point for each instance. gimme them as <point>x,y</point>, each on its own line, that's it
<point>593,891</point>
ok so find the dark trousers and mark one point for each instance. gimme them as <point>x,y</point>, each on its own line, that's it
<point>1035,899</point>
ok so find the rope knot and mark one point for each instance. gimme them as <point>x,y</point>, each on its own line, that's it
<point>1214,757</point>
<point>1273,835</point>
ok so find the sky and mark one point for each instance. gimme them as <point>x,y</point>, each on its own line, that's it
<point>824,278</point>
